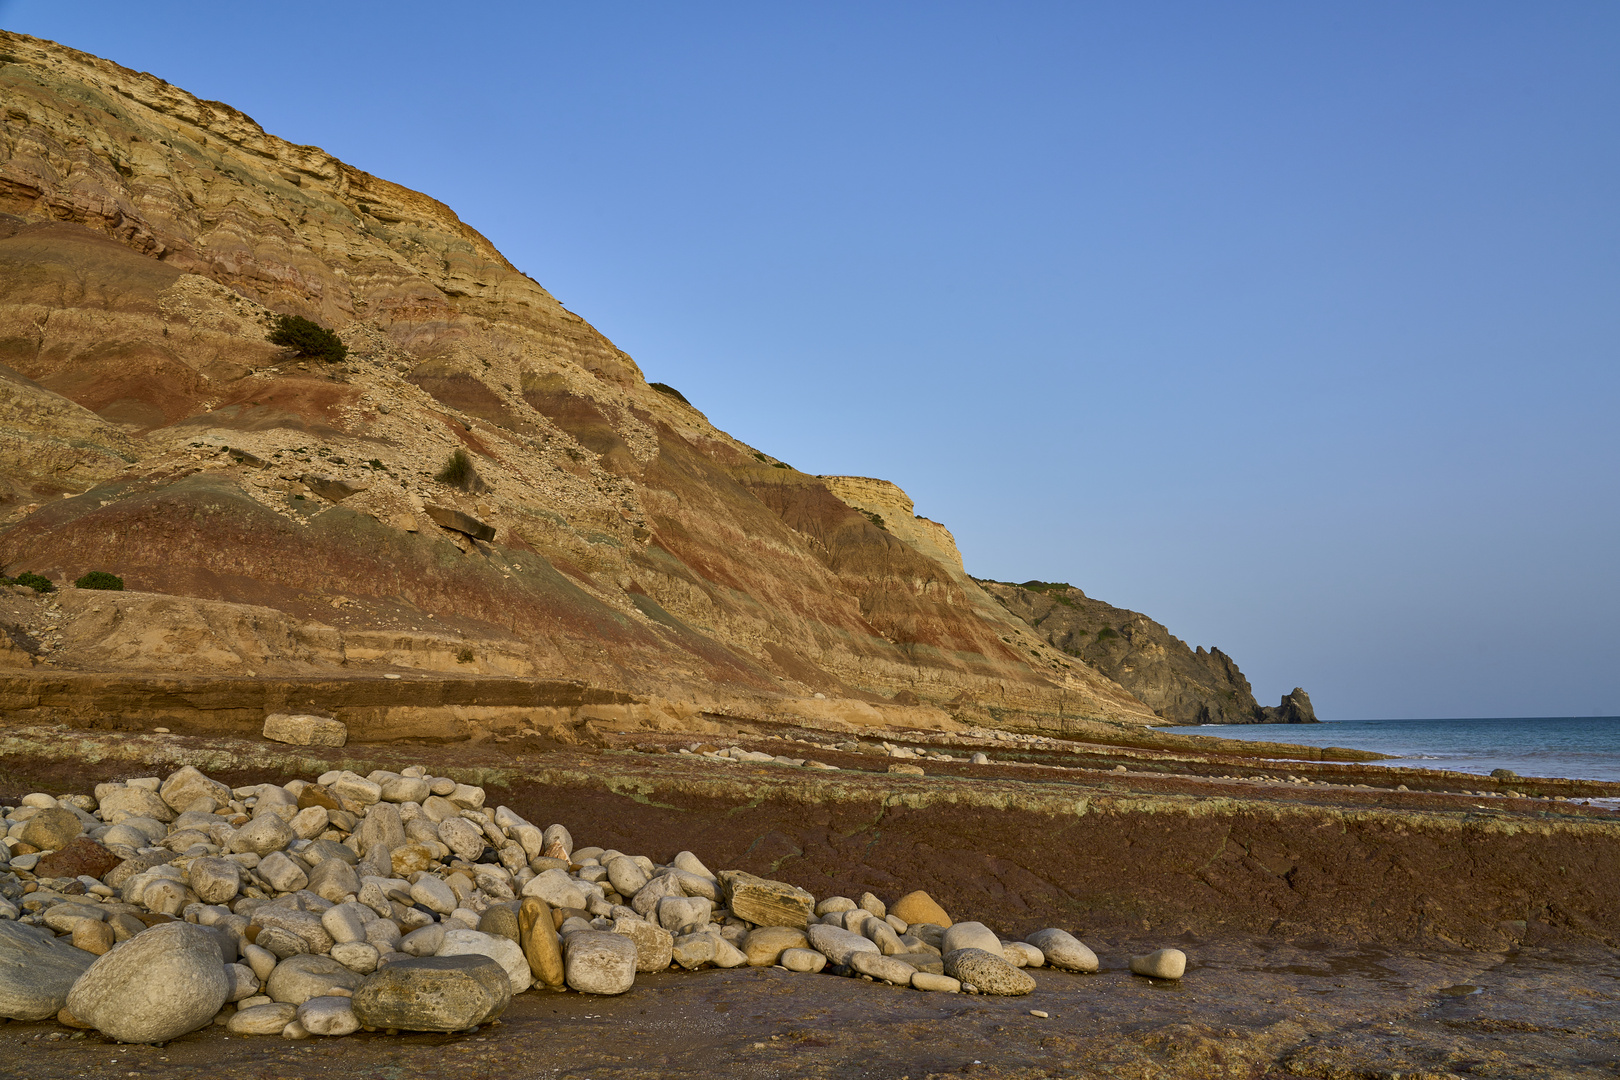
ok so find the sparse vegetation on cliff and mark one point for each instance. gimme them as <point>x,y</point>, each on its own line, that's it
<point>34,581</point>
<point>100,579</point>
<point>458,472</point>
<point>308,339</point>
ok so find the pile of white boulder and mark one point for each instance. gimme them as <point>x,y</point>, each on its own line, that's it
<point>399,901</point>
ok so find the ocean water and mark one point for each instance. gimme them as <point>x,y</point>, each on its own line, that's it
<point>1579,747</point>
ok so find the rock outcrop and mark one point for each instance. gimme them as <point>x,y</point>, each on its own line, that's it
<point>601,529</point>
<point>1186,685</point>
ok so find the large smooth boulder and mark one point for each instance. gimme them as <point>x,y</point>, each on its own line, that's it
<point>433,993</point>
<point>1063,950</point>
<point>971,935</point>
<point>36,971</point>
<point>990,973</point>
<point>599,962</point>
<point>154,987</point>
<point>504,951</point>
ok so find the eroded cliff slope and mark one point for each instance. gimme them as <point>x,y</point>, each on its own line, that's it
<point>1179,683</point>
<point>613,534</point>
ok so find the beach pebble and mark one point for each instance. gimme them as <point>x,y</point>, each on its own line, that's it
<point>883,968</point>
<point>692,951</point>
<point>328,1016</point>
<point>188,784</point>
<point>1063,950</point>
<point>987,972</point>
<point>558,890</point>
<point>51,829</point>
<point>281,872</point>
<point>883,936</point>
<point>655,946</point>
<point>684,914</point>
<point>262,1019</point>
<point>433,993</point>
<point>765,945</point>
<point>504,951</point>
<point>155,987</point>
<point>1163,964</point>
<point>93,936</point>
<point>805,960</point>
<point>299,978</point>
<point>358,956</point>
<point>538,937</point>
<point>970,935</point>
<point>243,982</point>
<point>261,836</point>
<point>626,876</point>
<point>838,945</point>
<point>923,980</point>
<point>1022,954</point>
<point>597,962</point>
<point>835,904</point>
<point>919,907</point>
<point>434,894</point>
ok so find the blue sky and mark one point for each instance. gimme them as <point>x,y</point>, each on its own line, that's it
<point>1292,325</point>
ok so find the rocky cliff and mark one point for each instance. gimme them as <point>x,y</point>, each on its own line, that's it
<point>610,534</point>
<point>1188,686</point>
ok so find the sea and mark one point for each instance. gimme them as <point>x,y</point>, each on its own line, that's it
<point>1578,747</point>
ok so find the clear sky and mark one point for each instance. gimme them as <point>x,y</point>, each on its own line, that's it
<point>1296,326</point>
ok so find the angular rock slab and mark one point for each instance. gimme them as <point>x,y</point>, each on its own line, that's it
<point>154,987</point>
<point>764,902</point>
<point>302,729</point>
<point>986,971</point>
<point>36,972</point>
<point>434,993</point>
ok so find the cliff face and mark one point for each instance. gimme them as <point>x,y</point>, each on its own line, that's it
<point>1178,683</point>
<point>148,428</point>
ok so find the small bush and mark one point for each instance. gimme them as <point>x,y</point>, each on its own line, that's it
<point>100,579</point>
<point>875,518</point>
<point>464,656</point>
<point>34,581</point>
<point>458,472</point>
<point>307,338</point>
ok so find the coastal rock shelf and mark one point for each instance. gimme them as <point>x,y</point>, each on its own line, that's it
<point>401,902</point>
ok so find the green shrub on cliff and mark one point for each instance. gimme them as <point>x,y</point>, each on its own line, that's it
<point>34,581</point>
<point>100,579</point>
<point>307,338</point>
